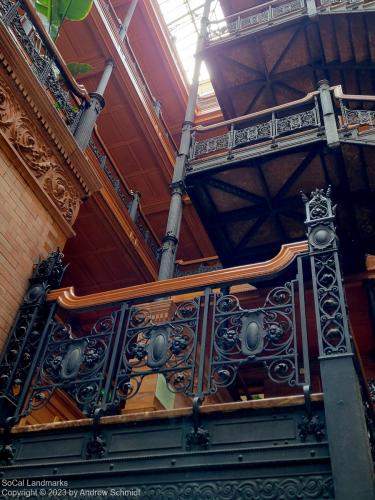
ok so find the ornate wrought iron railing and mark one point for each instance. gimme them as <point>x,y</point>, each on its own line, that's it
<point>242,134</point>
<point>235,24</point>
<point>268,13</point>
<point>100,350</point>
<point>324,3</point>
<point>355,117</point>
<point>358,116</point>
<point>127,196</point>
<point>100,357</point>
<point>25,27</point>
<point>108,168</point>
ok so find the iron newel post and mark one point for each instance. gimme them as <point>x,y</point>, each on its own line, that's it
<point>351,460</point>
<point>170,240</point>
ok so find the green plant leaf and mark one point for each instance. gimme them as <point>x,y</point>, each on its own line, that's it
<point>77,68</point>
<point>54,12</point>
<point>74,10</point>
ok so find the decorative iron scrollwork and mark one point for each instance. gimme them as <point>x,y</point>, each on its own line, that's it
<point>311,426</point>
<point>42,60</point>
<point>96,447</point>
<point>167,348</point>
<point>235,24</point>
<point>18,358</point>
<point>271,488</point>
<point>75,364</point>
<point>266,336</point>
<point>358,116</point>
<point>256,133</point>
<point>198,438</point>
<point>330,307</point>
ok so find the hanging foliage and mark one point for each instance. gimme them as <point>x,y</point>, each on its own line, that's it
<point>54,12</point>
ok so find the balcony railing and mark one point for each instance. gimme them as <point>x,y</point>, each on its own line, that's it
<point>253,17</point>
<point>242,134</point>
<point>276,11</point>
<point>354,117</point>
<point>99,349</point>
<point>126,195</point>
<point>251,130</point>
<point>27,30</point>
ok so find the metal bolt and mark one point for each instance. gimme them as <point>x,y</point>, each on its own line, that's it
<point>312,453</point>
<point>173,461</point>
<point>240,458</point>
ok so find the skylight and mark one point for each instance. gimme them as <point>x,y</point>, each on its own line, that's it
<point>183,19</point>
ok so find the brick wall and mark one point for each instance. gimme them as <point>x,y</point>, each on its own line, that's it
<point>27,231</point>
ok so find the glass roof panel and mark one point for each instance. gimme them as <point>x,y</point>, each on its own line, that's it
<point>183,19</point>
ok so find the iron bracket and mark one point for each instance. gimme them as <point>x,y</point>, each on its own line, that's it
<point>97,446</point>
<point>198,436</point>
<point>7,448</point>
<point>307,396</point>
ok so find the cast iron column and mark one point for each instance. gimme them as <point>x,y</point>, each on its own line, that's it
<point>128,17</point>
<point>329,118</point>
<point>83,130</point>
<point>133,208</point>
<point>90,114</point>
<point>170,240</point>
<point>351,460</point>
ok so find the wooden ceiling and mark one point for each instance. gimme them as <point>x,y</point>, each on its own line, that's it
<point>253,207</point>
<point>284,63</point>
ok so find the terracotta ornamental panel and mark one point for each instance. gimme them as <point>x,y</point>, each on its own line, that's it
<point>39,158</point>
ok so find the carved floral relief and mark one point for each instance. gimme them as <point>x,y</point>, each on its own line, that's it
<point>43,163</point>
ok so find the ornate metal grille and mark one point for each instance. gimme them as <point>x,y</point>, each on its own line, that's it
<point>167,348</point>
<point>358,116</point>
<point>13,15</point>
<point>234,25</point>
<point>100,359</point>
<point>76,364</point>
<point>256,133</point>
<point>330,305</point>
<point>266,335</point>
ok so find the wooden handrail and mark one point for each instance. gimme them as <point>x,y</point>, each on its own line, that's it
<point>338,93</point>
<point>67,299</point>
<point>78,90</point>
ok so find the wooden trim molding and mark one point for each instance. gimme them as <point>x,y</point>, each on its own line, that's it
<point>260,404</point>
<point>235,275</point>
